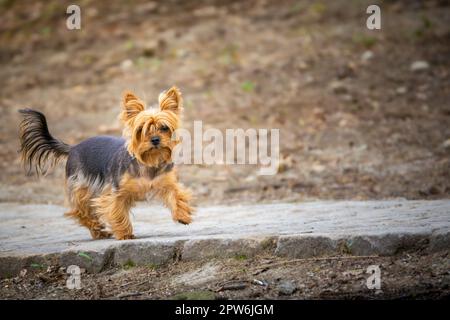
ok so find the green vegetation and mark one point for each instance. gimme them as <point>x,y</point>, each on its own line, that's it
<point>248,86</point>
<point>85,255</point>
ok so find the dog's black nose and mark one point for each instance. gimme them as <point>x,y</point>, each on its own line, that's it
<point>155,140</point>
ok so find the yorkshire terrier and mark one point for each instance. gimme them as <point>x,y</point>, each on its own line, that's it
<point>106,175</point>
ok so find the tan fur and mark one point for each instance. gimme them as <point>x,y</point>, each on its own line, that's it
<point>84,213</point>
<point>140,124</point>
<point>174,196</point>
<point>113,206</point>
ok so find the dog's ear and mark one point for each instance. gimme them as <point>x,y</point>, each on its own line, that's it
<point>171,100</point>
<point>131,106</point>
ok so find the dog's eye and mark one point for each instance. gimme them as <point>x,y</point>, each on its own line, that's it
<point>164,128</point>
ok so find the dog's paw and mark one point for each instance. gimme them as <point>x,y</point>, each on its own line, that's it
<point>183,215</point>
<point>185,220</point>
<point>101,234</point>
<point>125,237</point>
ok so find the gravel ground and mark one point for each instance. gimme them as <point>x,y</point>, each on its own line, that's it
<point>406,276</point>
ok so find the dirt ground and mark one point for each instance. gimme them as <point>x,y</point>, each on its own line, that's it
<point>356,122</point>
<point>407,276</point>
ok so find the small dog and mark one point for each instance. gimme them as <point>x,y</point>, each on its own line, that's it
<point>106,175</point>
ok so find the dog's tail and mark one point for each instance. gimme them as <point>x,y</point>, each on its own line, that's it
<point>39,149</point>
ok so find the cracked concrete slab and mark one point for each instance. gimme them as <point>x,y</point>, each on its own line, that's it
<point>39,235</point>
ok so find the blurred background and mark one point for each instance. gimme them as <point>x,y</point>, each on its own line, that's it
<point>363,114</point>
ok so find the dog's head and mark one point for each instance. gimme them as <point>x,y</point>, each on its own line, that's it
<point>149,131</point>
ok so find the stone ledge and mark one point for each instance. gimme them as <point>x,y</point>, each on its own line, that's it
<point>38,236</point>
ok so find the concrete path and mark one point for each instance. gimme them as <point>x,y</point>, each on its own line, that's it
<point>39,235</point>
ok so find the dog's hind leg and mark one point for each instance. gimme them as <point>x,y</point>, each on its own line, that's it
<point>84,213</point>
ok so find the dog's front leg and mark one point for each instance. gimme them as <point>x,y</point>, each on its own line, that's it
<point>114,208</point>
<point>175,197</point>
